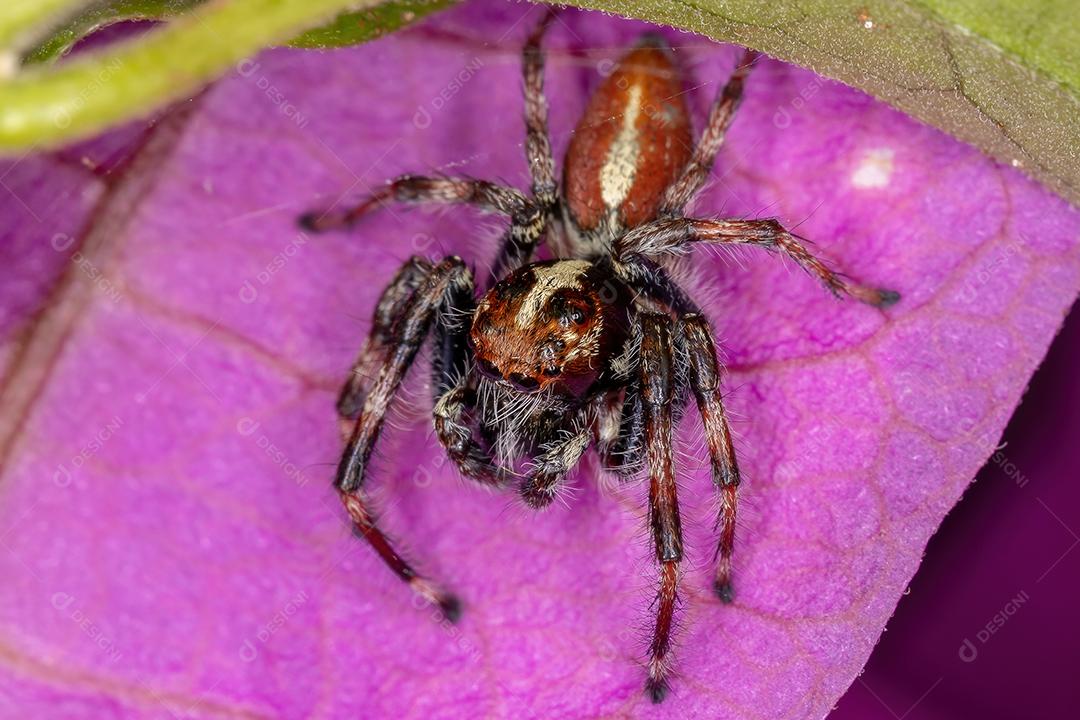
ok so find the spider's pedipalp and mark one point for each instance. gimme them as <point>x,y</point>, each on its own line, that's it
<point>541,484</point>
<point>454,429</point>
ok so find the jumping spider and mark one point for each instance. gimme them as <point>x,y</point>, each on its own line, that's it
<point>597,346</point>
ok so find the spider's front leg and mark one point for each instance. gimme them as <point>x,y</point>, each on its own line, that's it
<point>387,311</point>
<point>620,426</point>
<point>658,396</point>
<point>528,219</point>
<point>672,235</point>
<point>447,279</point>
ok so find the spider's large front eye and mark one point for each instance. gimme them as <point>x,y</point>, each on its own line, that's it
<point>523,382</point>
<point>489,368</point>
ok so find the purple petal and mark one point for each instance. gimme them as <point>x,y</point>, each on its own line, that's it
<point>997,580</point>
<point>171,543</point>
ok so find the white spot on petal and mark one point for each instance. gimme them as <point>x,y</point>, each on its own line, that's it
<point>875,169</point>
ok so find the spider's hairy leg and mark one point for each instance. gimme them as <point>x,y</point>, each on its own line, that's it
<point>528,225</point>
<point>705,383</point>
<point>441,282</point>
<point>518,244</point>
<point>452,357</point>
<point>620,433</point>
<point>673,235</point>
<point>358,505</point>
<point>654,282</point>
<point>412,329</point>
<point>697,170</point>
<point>658,396</point>
<point>537,139</point>
<point>389,307</point>
<point>620,429</point>
<point>417,189</point>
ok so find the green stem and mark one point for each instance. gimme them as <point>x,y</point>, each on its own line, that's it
<point>21,18</point>
<point>86,94</point>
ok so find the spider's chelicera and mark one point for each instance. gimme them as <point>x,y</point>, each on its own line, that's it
<point>597,347</point>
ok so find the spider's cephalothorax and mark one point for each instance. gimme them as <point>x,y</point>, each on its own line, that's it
<point>598,347</point>
<point>556,324</point>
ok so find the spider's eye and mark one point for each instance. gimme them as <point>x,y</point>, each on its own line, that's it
<point>523,382</point>
<point>550,349</point>
<point>488,368</point>
<point>569,312</point>
<point>552,372</point>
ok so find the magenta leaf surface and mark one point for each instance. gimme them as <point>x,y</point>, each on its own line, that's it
<point>171,545</point>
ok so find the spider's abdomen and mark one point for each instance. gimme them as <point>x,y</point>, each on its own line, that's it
<point>632,142</point>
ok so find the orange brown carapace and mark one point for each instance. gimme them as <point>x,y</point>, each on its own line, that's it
<point>552,322</point>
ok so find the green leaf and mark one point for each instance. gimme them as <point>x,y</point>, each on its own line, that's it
<point>1044,35</point>
<point>1003,75</point>
<point>357,27</point>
